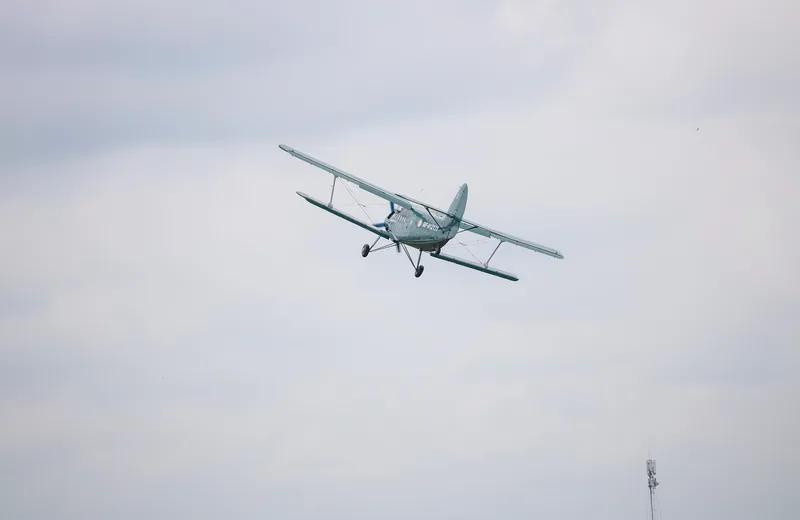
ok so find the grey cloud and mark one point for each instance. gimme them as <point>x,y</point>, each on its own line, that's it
<point>181,334</point>
<point>309,68</point>
<point>681,58</point>
<point>199,287</point>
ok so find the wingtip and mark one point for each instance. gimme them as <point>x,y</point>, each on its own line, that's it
<point>286,148</point>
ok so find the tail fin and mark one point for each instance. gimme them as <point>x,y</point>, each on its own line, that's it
<point>456,210</point>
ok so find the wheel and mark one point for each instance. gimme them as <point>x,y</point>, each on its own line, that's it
<point>365,250</point>
<point>418,271</point>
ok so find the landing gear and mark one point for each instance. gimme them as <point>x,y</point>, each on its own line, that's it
<point>366,248</point>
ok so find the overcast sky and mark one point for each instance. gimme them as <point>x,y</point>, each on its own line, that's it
<point>182,335</point>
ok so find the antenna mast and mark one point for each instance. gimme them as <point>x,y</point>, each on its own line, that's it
<point>651,483</point>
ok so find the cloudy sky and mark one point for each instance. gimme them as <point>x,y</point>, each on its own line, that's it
<point>181,334</point>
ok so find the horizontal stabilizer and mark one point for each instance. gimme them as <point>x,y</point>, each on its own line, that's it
<point>476,266</point>
<point>365,225</point>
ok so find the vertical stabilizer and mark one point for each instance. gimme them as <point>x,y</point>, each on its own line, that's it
<point>456,209</point>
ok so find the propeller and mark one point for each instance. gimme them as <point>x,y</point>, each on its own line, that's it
<point>383,224</point>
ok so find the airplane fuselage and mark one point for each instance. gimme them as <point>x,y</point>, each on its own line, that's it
<point>417,230</point>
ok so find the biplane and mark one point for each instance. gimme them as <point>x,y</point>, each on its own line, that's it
<point>418,225</point>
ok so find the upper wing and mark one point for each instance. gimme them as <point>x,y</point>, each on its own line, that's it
<point>364,185</point>
<point>468,225</point>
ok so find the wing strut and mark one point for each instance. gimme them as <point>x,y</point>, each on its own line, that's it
<point>434,218</point>
<point>333,187</point>
<point>493,252</point>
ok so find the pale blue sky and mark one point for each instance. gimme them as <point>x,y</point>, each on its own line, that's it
<point>180,334</point>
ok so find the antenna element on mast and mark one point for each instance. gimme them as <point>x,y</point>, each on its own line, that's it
<point>651,483</point>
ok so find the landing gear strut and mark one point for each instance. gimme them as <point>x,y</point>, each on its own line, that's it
<point>418,268</point>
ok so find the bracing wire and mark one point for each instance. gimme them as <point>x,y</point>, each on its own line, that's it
<point>358,203</point>
<point>470,252</point>
<point>364,205</point>
<point>475,242</point>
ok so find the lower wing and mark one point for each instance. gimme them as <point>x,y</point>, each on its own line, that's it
<point>369,227</point>
<point>476,266</point>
